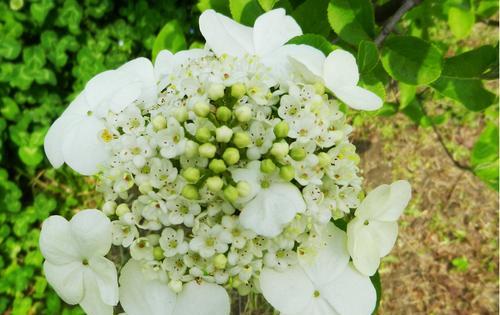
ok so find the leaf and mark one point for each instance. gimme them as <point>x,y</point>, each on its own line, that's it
<point>312,17</point>
<point>10,48</point>
<point>245,11</point>
<point>267,5</point>
<point>484,156</point>
<point>221,6</point>
<point>470,92</point>
<point>375,279</point>
<point>314,40</point>
<point>411,60</point>
<point>367,56</point>
<point>31,156</point>
<point>171,37</point>
<point>487,8</point>
<point>460,21</point>
<point>415,113</point>
<point>352,20</point>
<point>9,110</point>
<point>407,94</point>
<point>39,10</point>
<point>471,64</point>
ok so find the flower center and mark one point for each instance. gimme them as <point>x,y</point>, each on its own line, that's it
<point>85,262</point>
<point>316,293</point>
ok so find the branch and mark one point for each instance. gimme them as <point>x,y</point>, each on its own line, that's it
<point>391,23</point>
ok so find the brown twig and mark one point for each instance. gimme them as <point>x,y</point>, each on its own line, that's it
<point>393,20</point>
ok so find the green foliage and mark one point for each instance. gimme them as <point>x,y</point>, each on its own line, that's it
<point>484,158</point>
<point>171,37</point>
<point>314,40</point>
<point>352,20</point>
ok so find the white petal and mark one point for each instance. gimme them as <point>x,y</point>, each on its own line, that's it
<point>289,292</point>
<point>56,241</point>
<point>225,36</point>
<point>100,88</point>
<point>331,259</point>
<point>183,56</point>
<point>358,98</point>
<point>252,175</point>
<point>106,279</point>
<point>272,209</point>
<point>385,233</point>
<point>141,71</point>
<point>66,279</point>
<point>92,231</point>
<point>202,299</point>
<point>79,106</point>
<point>163,64</point>
<point>83,149</point>
<point>386,202</point>
<point>363,247</point>
<point>340,70</point>
<point>124,96</point>
<point>351,293</point>
<point>92,302</point>
<point>141,296</point>
<point>272,30</point>
<point>52,143</point>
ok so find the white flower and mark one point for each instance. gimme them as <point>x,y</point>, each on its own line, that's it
<point>166,62</point>
<point>171,140</point>
<point>339,72</point>
<point>181,211</point>
<point>208,241</point>
<point>141,249</point>
<point>323,284</point>
<point>123,234</point>
<point>270,205</point>
<point>175,266</point>
<point>139,296</point>
<point>172,242</point>
<point>74,260</point>
<point>234,233</point>
<point>373,232</point>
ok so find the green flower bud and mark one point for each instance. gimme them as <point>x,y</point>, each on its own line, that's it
<point>214,183</point>
<point>122,209</point>
<point>319,88</point>
<point>207,150</point>
<point>175,286</point>
<point>203,134</point>
<point>109,208</point>
<point>298,154</point>
<point>217,166</point>
<point>216,91</point>
<point>223,134</point>
<point>220,261</point>
<point>267,166</point>
<point>231,193</point>
<point>231,156</point>
<point>223,114</point>
<point>324,159</point>
<point>191,149</point>
<point>279,149</point>
<point>241,139</point>
<point>201,109</point>
<point>243,188</point>
<point>191,174</point>
<point>158,253</point>
<point>281,129</point>
<point>145,188</point>
<point>159,122</point>
<point>287,172</point>
<point>190,192</point>
<point>181,114</point>
<point>238,90</point>
<point>243,113</point>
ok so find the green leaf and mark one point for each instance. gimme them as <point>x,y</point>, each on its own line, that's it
<point>367,56</point>
<point>414,111</point>
<point>31,156</point>
<point>221,6</point>
<point>486,8</point>
<point>312,18</point>
<point>314,40</point>
<point>470,92</point>
<point>484,156</point>
<point>352,20</point>
<point>9,110</point>
<point>411,60</point>
<point>267,5</point>
<point>407,94</point>
<point>245,11</point>
<point>39,10</point>
<point>171,37</point>
<point>471,64</point>
<point>10,48</point>
<point>460,21</point>
<point>375,279</point>
<point>70,15</point>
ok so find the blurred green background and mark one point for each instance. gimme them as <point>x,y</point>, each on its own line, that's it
<point>439,129</point>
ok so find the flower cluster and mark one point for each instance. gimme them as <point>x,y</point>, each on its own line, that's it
<point>222,167</point>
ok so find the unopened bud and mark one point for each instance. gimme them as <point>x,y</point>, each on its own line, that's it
<point>281,129</point>
<point>231,156</point>
<point>201,109</point>
<point>223,114</point>
<point>190,192</point>
<point>243,113</point>
<point>241,139</point>
<point>217,166</point>
<point>122,209</point>
<point>220,261</point>
<point>324,159</point>
<point>145,188</point>
<point>158,253</point>
<point>231,193</point>
<point>181,114</point>
<point>287,172</point>
<point>279,149</point>
<point>203,134</point>
<point>109,208</point>
<point>267,166</point>
<point>216,91</point>
<point>191,149</point>
<point>191,174</point>
<point>223,134</point>
<point>207,150</point>
<point>175,286</point>
<point>238,90</point>
<point>243,188</point>
<point>159,122</point>
<point>298,154</point>
<point>214,183</point>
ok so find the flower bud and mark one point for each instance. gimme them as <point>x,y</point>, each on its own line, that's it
<point>109,208</point>
<point>216,91</point>
<point>207,150</point>
<point>279,149</point>
<point>201,109</point>
<point>287,172</point>
<point>231,193</point>
<point>159,122</point>
<point>203,134</point>
<point>238,90</point>
<point>217,166</point>
<point>191,149</point>
<point>190,192</point>
<point>281,129</point>
<point>241,139</point>
<point>220,261</point>
<point>319,88</point>
<point>122,209</point>
<point>223,114</point>
<point>243,113</point>
<point>223,134</point>
<point>145,188</point>
<point>181,114</point>
<point>267,166</point>
<point>158,253</point>
<point>191,174</point>
<point>175,286</point>
<point>231,156</point>
<point>243,188</point>
<point>298,154</point>
<point>324,159</point>
<point>214,183</point>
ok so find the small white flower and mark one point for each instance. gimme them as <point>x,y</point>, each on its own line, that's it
<point>175,266</point>
<point>373,232</point>
<point>123,234</point>
<point>74,260</point>
<point>182,211</point>
<point>208,241</point>
<point>234,233</point>
<point>171,140</point>
<point>172,242</point>
<point>141,249</point>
